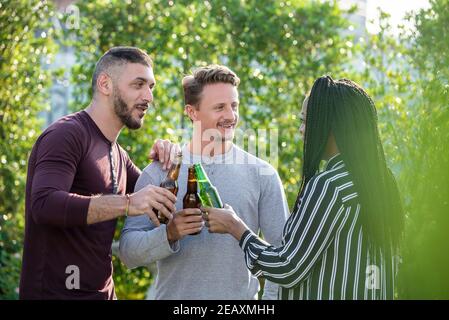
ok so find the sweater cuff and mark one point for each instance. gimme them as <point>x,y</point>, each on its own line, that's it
<point>171,248</point>
<point>157,245</point>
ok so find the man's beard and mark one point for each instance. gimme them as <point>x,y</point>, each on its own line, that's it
<point>124,113</point>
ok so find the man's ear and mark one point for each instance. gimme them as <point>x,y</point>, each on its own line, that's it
<point>104,84</point>
<point>191,112</point>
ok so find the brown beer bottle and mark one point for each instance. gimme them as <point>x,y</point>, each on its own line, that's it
<point>191,199</point>
<point>170,183</point>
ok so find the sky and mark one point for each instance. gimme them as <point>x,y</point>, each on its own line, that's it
<point>397,9</point>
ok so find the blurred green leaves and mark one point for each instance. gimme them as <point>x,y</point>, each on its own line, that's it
<point>426,177</point>
<point>26,49</point>
<point>408,77</point>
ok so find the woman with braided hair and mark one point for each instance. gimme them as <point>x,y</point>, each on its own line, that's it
<point>342,238</point>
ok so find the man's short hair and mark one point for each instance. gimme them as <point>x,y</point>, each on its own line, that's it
<point>194,84</point>
<point>119,56</point>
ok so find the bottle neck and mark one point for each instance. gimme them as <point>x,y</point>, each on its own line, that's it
<point>191,182</point>
<point>174,171</point>
<point>175,168</point>
<point>192,187</point>
<point>200,174</point>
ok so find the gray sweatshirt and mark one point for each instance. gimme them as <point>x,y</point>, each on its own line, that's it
<point>210,266</point>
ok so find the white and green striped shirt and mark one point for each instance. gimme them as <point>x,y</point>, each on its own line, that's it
<point>324,253</point>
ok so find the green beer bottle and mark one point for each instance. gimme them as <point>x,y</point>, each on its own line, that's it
<point>208,193</point>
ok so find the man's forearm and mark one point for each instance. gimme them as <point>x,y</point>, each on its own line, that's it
<point>104,208</point>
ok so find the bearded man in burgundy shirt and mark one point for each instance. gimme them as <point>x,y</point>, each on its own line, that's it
<point>80,180</point>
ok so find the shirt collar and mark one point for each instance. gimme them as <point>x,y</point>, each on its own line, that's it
<point>224,158</point>
<point>334,162</point>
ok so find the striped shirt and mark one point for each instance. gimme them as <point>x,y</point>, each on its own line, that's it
<point>324,253</point>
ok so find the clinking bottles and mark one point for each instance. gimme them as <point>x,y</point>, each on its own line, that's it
<point>170,183</point>
<point>207,192</point>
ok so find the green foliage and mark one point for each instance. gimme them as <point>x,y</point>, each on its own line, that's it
<point>25,50</point>
<point>408,78</point>
<point>425,262</point>
<point>276,48</point>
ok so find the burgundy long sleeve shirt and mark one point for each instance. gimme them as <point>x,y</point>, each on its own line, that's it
<point>63,257</point>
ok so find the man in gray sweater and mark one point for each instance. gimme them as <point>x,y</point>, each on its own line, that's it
<point>209,266</point>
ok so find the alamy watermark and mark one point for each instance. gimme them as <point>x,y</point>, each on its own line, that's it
<point>73,279</point>
<point>69,18</point>
<point>261,143</point>
<point>372,277</point>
